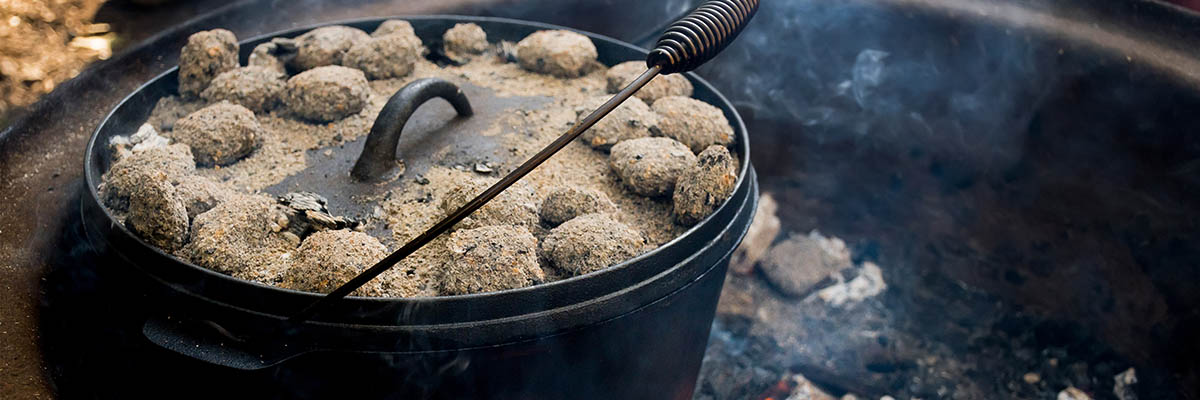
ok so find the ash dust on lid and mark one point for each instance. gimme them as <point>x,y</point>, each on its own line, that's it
<point>279,207</point>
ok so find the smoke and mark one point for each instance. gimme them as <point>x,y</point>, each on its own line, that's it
<point>882,78</point>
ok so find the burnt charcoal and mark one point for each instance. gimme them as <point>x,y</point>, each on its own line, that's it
<point>307,213</point>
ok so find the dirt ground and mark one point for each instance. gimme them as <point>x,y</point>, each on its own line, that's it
<point>43,43</point>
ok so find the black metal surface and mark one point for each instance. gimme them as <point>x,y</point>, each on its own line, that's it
<point>379,152</point>
<point>701,35</point>
<point>573,323</point>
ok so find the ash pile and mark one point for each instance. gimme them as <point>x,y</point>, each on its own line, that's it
<point>809,316</point>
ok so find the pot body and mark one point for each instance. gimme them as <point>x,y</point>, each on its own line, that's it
<point>635,330</point>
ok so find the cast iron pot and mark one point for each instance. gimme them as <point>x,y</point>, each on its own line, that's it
<point>635,330</point>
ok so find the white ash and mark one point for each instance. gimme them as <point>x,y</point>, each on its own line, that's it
<point>1123,385</point>
<point>146,137</point>
<point>800,263</point>
<point>1073,393</point>
<point>868,283</point>
<point>806,390</point>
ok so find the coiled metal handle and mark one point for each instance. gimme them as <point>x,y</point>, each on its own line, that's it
<point>699,36</point>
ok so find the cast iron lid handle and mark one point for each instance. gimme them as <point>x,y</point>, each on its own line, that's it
<point>379,152</point>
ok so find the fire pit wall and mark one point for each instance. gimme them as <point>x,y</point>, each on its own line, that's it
<point>1049,167</point>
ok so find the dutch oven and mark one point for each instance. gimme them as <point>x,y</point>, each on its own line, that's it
<point>635,330</point>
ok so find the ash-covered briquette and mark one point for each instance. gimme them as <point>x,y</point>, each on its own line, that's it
<point>328,259</point>
<point>169,110</point>
<point>206,55</point>
<point>219,134</point>
<point>566,203</point>
<point>797,264</point>
<point>157,214</point>
<point>273,55</point>
<point>325,46</point>
<point>631,120</point>
<point>561,53</point>
<point>692,122</point>
<point>245,236</point>
<point>128,172</point>
<point>200,194</point>
<point>621,75</point>
<point>704,185</point>
<point>384,57</point>
<point>256,88</point>
<point>327,93</point>
<point>590,243</point>
<point>463,41</point>
<point>650,166</point>
<point>402,29</point>
<point>516,205</point>
<point>489,259</point>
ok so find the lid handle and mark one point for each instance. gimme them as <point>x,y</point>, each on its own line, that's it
<point>379,152</point>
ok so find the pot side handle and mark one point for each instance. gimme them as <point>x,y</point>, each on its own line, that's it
<point>379,152</point>
<point>209,342</point>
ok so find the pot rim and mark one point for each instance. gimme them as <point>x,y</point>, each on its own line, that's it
<point>92,177</point>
